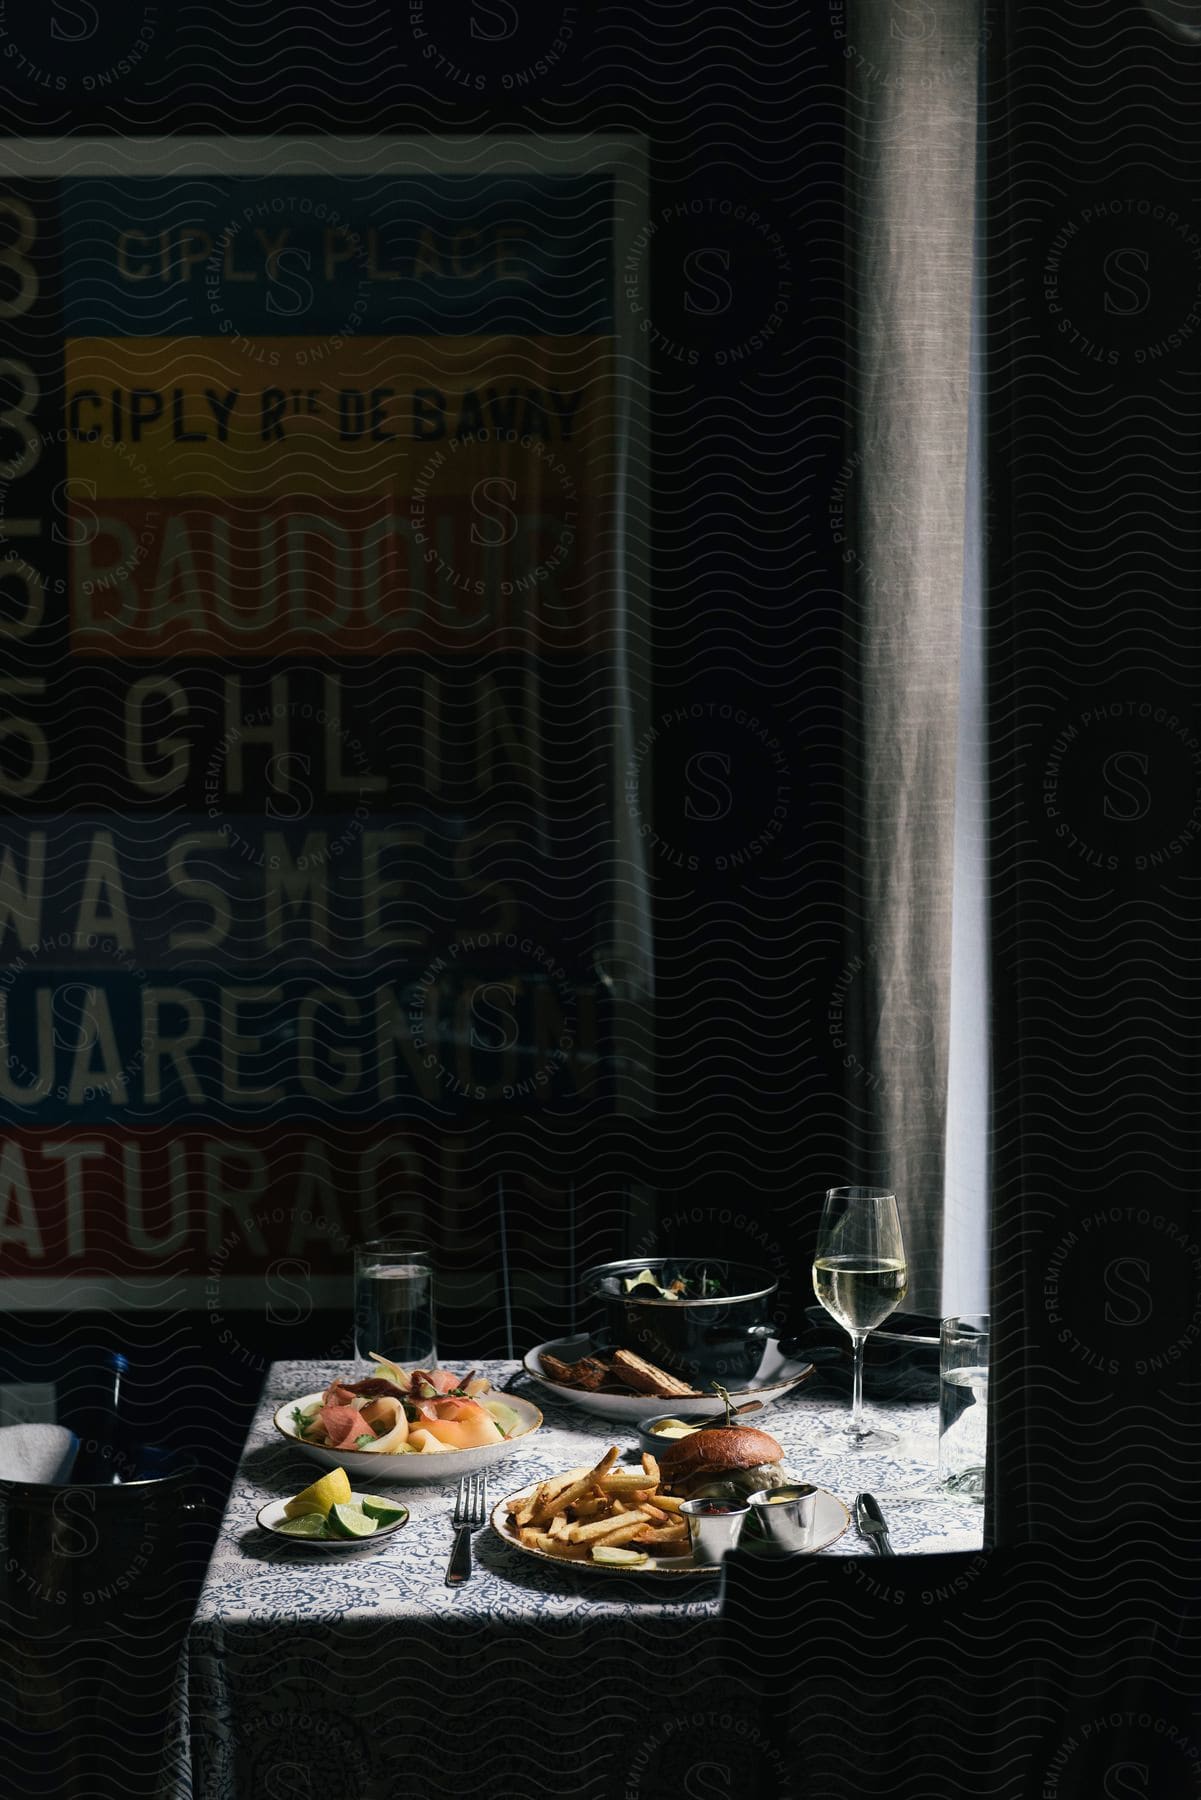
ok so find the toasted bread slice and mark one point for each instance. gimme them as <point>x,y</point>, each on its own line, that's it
<point>645,1378</point>
<point>555,1370</point>
<point>588,1373</point>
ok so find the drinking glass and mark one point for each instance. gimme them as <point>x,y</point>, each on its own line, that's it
<point>860,1275</point>
<point>394,1304</point>
<point>963,1406</point>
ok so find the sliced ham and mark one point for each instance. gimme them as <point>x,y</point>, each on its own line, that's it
<point>342,1425</point>
<point>338,1394</point>
<point>445,1407</point>
<point>375,1386</point>
<point>443,1381</point>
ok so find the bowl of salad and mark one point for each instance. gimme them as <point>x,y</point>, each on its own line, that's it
<point>699,1317</point>
<point>419,1425</point>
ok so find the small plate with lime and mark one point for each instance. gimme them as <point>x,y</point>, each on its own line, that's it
<point>330,1516</point>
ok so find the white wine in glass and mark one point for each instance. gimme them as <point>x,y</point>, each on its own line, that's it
<point>860,1275</point>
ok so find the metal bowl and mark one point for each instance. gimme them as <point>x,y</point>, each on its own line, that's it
<point>699,1340</point>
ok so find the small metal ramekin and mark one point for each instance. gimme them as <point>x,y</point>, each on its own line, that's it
<point>714,1526</point>
<point>785,1515</point>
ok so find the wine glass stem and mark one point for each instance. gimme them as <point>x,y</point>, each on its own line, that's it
<point>858,1339</point>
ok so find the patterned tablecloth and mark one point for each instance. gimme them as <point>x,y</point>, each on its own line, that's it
<point>361,1676</point>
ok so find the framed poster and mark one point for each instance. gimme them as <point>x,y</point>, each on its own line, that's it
<point>323,508</point>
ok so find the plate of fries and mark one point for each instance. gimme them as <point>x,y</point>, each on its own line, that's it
<point>568,1517</point>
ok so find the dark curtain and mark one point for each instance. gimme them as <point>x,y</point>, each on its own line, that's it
<point>1094,273</point>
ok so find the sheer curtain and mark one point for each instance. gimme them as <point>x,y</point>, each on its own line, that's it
<point>916,841</point>
<point>965,1223</point>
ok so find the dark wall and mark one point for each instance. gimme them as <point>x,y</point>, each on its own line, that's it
<point>1095,281</point>
<point>1096,672</point>
<point>745,325</point>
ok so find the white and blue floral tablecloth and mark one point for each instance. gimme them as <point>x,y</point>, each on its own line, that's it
<point>363,1677</point>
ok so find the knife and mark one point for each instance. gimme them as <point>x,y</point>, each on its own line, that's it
<point>869,1522</point>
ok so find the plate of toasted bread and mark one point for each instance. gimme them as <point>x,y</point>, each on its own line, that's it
<point>617,1384</point>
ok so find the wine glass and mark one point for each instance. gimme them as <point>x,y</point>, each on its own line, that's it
<point>860,1275</point>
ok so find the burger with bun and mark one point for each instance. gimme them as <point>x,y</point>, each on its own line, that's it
<point>722,1462</point>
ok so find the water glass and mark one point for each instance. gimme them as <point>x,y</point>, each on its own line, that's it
<point>394,1304</point>
<point>963,1406</point>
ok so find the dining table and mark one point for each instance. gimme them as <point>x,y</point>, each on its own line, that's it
<point>361,1675</point>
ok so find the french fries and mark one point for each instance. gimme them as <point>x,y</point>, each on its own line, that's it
<point>547,1493</point>
<point>571,1514</point>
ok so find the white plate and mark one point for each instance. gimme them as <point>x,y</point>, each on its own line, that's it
<point>374,1466</point>
<point>778,1375</point>
<point>269,1518</point>
<point>830,1520</point>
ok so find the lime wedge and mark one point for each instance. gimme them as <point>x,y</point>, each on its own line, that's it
<point>384,1512</point>
<point>619,1558</point>
<point>350,1522</point>
<point>307,1525</point>
<point>331,1489</point>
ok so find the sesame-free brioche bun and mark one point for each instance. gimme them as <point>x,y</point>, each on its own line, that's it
<point>716,1453</point>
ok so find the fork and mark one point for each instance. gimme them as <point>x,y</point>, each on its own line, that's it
<point>471,1509</point>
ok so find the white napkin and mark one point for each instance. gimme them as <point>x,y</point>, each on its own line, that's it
<point>37,1453</point>
<point>953,1540</point>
